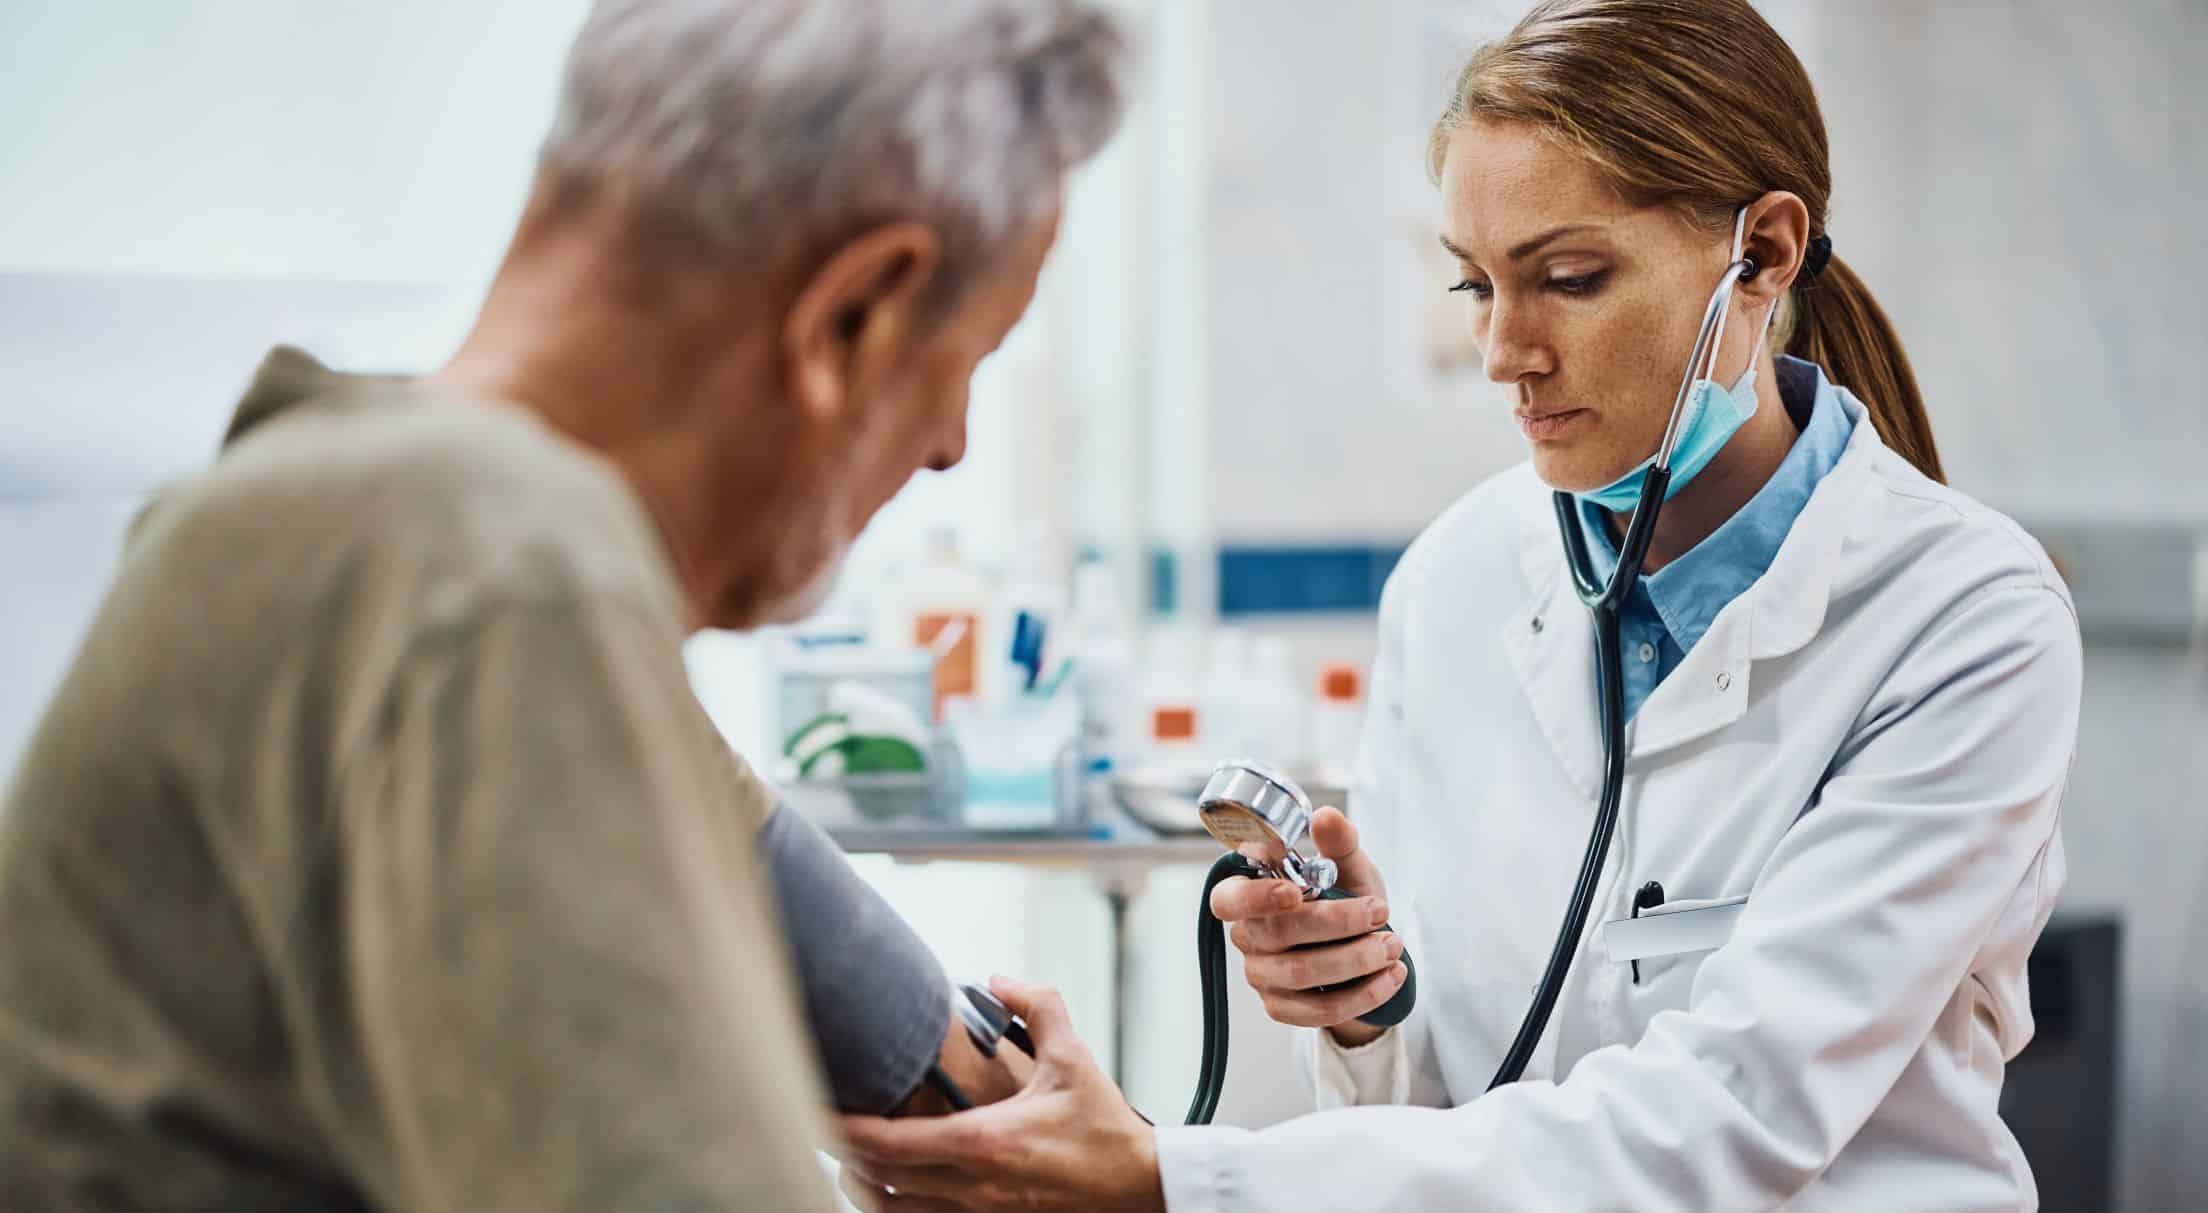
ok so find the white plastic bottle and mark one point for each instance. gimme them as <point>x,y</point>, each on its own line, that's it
<point>1223,696</point>
<point>1273,705</point>
<point>943,603</point>
<point>1337,720</point>
<point>1170,717</point>
<point>1102,645</point>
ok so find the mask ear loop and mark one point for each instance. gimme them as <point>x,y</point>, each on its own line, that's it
<point>1717,341</point>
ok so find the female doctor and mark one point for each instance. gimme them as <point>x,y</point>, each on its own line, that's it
<point>1852,694</point>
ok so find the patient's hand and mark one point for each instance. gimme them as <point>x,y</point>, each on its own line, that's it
<point>982,1079</point>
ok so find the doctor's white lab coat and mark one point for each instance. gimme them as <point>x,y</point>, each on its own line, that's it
<point>1869,745</point>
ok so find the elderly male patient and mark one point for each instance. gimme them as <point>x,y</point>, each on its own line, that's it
<point>374,853</point>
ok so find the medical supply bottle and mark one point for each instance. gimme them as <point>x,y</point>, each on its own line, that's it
<point>1222,697</point>
<point>1103,649</point>
<point>944,604</point>
<point>1273,706</point>
<point>1172,725</point>
<point>1337,720</point>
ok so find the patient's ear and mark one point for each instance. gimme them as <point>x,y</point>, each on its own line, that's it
<point>855,320</point>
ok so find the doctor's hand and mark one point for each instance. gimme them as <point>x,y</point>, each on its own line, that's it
<point>1292,947</point>
<point>1067,1141</point>
<point>982,1079</point>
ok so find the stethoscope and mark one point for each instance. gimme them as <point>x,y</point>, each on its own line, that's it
<point>1605,600</point>
<point>1248,805</point>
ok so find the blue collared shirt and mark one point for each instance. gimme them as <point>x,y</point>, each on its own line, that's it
<point>1670,609</point>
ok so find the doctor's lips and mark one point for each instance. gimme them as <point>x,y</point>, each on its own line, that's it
<point>1549,425</point>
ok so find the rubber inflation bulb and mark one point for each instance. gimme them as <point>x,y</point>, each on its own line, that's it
<point>1393,1011</point>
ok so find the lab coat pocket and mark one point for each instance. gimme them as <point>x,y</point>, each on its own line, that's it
<point>1669,941</point>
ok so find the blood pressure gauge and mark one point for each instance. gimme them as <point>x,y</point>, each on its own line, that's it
<point>1253,808</point>
<point>1262,816</point>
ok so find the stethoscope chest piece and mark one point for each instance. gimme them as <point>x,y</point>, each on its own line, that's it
<point>1249,806</point>
<point>1264,821</point>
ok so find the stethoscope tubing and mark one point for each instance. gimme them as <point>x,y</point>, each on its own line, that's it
<point>1605,600</point>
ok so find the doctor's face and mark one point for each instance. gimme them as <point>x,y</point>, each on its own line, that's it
<point>1584,306</point>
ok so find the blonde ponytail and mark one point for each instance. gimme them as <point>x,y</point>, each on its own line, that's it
<point>1840,327</point>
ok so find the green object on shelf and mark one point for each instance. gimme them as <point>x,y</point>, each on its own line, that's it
<point>857,753</point>
<point>864,755</point>
<point>885,776</point>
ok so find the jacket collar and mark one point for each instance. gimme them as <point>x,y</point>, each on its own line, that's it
<point>290,379</point>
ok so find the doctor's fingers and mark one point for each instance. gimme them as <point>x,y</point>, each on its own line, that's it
<point>1238,898</point>
<point>893,1187</point>
<point>1310,922</point>
<point>898,1202</point>
<point>1310,1009</point>
<point>875,1142</point>
<point>1327,965</point>
<point>880,1200</point>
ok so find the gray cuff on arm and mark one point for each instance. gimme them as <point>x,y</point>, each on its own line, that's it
<point>876,1000</point>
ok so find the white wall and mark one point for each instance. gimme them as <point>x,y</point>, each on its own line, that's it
<point>386,142</point>
<point>2019,182</point>
<point>1322,423</point>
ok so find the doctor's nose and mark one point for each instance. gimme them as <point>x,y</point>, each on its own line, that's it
<point>1514,350</point>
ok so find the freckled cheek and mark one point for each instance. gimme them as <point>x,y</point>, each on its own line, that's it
<point>1619,360</point>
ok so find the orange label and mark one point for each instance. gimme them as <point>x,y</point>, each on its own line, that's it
<point>1341,683</point>
<point>955,672</point>
<point>1173,724</point>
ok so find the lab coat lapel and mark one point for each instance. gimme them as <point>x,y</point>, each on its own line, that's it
<point>1551,642</point>
<point>1783,611</point>
<point>1708,691</point>
<point>1795,593</point>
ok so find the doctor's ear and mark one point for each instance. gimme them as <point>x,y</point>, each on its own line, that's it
<point>1774,244</point>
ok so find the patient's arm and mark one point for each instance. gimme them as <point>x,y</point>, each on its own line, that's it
<point>876,1001</point>
<point>981,1079</point>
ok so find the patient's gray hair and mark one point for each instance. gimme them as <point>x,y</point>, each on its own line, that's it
<point>757,126</point>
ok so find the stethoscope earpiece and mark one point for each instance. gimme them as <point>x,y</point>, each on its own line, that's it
<point>1749,272</point>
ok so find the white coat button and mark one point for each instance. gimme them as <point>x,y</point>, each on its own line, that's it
<point>1648,653</point>
<point>1537,623</point>
<point>1724,682</point>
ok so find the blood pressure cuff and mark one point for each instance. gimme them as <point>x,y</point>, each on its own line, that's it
<point>877,1001</point>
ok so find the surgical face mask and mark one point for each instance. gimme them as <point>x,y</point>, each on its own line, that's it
<point>1710,417</point>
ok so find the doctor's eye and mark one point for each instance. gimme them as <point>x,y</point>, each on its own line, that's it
<point>1478,290</point>
<point>1581,285</point>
